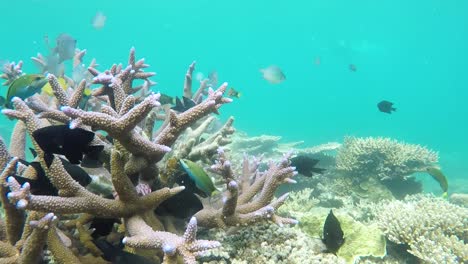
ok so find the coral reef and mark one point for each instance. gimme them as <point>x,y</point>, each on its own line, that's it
<point>267,244</point>
<point>361,240</point>
<point>135,152</point>
<point>460,199</point>
<point>435,230</point>
<point>271,147</point>
<point>382,158</point>
<point>386,160</point>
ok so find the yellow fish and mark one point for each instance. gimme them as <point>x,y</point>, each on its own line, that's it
<point>440,178</point>
<point>48,89</point>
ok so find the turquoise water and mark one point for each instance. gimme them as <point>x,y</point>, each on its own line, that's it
<point>413,53</point>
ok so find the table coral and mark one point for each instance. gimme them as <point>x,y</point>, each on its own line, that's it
<point>383,158</point>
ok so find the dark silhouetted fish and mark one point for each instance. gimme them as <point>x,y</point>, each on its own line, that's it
<point>183,105</point>
<point>116,254</point>
<point>93,158</point>
<point>60,139</point>
<point>306,165</point>
<point>42,185</point>
<point>332,233</point>
<point>184,204</point>
<point>103,226</point>
<point>386,107</point>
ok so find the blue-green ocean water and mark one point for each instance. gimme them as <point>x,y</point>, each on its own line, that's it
<point>413,53</point>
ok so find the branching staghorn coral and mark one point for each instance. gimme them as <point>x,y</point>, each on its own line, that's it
<point>194,146</point>
<point>133,150</point>
<point>11,71</point>
<point>382,158</point>
<point>247,202</point>
<point>24,243</point>
<point>435,230</point>
<point>143,236</point>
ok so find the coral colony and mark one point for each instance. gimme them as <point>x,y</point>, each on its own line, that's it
<point>138,161</point>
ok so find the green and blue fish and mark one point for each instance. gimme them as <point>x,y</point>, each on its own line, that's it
<point>23,87</point>
<point>440,178</point>
<point>199,176</point>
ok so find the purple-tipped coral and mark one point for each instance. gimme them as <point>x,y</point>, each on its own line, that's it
<point>254,202</point>
<point>188,247</point>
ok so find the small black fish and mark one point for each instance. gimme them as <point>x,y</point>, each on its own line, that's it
<point>386,107</point>
<point>116,254</point>
<point>184,204</point>
<point>94,158</point>
<point>42,185</point>
<point>184,105</point>
<point>306,165</point>
<point>60,139</point>
<point>103,226</point>
<point>332,233</point>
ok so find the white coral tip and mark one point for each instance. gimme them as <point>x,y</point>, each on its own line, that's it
<point>21,204</point>
<point>169,250</point>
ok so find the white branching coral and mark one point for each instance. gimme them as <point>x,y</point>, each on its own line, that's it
<point>435,230</point>
<point>383,158</point>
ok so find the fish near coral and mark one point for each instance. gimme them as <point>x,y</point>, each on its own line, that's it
<point>306,165</point>
<point>386,107</point>
<point>65,48</point>
<point>185,203</point>
<point>116,254</point>
<point>166,99</point>
<point>199,176</point>
<point>42,185</point>
<point>84,99</point>
<point>273,74</point>
<point>47,89</point>
<point>62,140</point>
<point>183,105</point>
<point>440,178</point>
<point>23,87</point>
<point>233,93</point>
<point>333,236</point>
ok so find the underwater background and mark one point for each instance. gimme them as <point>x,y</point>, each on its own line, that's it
<point>412,53</point>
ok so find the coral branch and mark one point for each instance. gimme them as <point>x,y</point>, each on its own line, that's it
<point>247,208</point>
<point>188,247</point>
